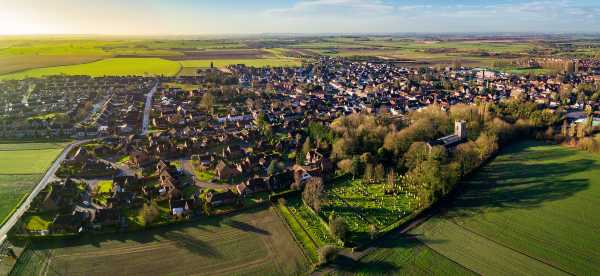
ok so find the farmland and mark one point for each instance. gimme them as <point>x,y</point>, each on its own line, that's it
<point>12,189</point>
<point>406,256</point>
<point>256,242</point>
<point>27,161</point>
<point>98,56</point>
<point>531,209</point>
<point>262,62</point>
<point>23,53</point>
<point>107,67</point>
<point>21,167</point>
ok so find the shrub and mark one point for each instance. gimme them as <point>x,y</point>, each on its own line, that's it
<point>327,254</point>
<point>338,228</point>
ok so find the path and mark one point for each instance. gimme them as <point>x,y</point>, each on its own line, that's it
<point>148,108</point>
<point>49,176</point>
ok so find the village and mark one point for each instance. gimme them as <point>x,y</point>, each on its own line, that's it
<point>230,139</point>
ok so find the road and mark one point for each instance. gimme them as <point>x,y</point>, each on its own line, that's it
<point>14,218</point>
<point>148,108</point>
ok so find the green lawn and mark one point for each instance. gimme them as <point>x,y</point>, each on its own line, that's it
<point>362,205</point>
<point>106,67</point>
<point>533,210</point>
<point>38,222</point>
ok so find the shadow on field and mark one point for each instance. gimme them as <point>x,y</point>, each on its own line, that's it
<point>346,265</point>
<point>179,234</point>
<point>509,183</point>
<point>240,225</point>
<point>192,244</point>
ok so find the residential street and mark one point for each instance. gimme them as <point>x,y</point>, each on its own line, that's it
<point>147,109</point>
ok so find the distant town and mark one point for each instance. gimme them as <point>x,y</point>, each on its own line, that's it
<point>153,151</point>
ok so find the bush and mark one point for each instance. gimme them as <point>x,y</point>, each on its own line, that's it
<point>338,228</point>
<point>281,201</point>
<point>327,254</point>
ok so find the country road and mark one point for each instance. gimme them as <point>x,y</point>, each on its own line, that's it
<point>38,188</point>
<point>148,108</point>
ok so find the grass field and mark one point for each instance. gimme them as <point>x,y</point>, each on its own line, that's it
<point>27,161</point>
<point>12,189</point>
<point>30,52</point>
<point>253,243</point>
<point>404,256</point>
<point>107,67</point>
<point>532,211</point>
<point>21,167</point>
<point>259,62</point>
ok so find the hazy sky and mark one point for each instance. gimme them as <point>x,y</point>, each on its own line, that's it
<point>294,16</point>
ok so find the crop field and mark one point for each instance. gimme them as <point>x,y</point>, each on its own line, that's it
<point>12,189</point>
<point>27,161</point>
<point>405,256</point>
<point>250,243</point>
<point>363,205</point>
<point>21,167</point>
<point>23,53</point>
<point>530,211</point>
<point>259,62</point>
<point>107,67</point>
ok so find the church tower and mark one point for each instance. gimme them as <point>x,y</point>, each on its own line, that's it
<point>460,129</point>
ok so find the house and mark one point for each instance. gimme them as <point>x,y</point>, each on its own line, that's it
<point>140,158</point>
<point>181,207</point>
<point>313,157</point>
<point>280,181</point>
<point>221,198</point>
<point>68,223</point>
<point>226,171</point>
<point>170,186</point>
<point>252,186</point>
<point>107,218</point>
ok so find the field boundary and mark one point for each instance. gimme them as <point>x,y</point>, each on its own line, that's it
<point>508,247</point>
<point>296,239</point>
<point>47,67</point>
<point>444,256</point>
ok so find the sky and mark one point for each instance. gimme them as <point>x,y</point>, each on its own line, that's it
<point>188,17</point>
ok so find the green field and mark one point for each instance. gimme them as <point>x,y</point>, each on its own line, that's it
<point>259,62</point>
<point>107,67</point>
<point>27,161</point>
<point>255,242</point>
<point>29,52</point>
<point>405,256</point>
<point>12,190</point>
<point>145,67</point>
<point>21,167</point>
<point>531,211</point>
